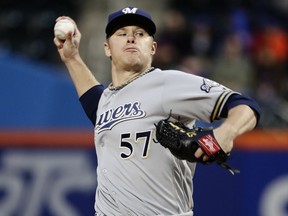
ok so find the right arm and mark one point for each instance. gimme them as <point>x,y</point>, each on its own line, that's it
<point>68,50</point>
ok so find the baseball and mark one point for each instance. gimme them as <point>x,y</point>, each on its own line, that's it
<point>62,28</point>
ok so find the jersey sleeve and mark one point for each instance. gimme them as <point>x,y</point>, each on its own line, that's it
<point>90,100</point>
<point>194,97</point>
<point>239,99</point>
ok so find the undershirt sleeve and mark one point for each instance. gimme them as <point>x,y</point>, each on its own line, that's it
<point>90,100</point>
<point>238,99</point>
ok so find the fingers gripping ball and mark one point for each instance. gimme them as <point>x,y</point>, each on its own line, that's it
<point>63,27</point>
<point>183,143</point>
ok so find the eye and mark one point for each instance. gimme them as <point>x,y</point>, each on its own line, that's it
<point>121,34</point>
<point>139,34</point>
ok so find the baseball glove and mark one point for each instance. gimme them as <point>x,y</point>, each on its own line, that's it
<point>183,143</point>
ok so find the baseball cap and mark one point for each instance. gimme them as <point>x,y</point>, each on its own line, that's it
<point>130,16</point>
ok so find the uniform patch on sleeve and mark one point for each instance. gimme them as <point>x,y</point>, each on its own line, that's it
<point>208,84</point>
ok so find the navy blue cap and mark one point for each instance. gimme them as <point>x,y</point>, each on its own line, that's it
<point>130,16</point>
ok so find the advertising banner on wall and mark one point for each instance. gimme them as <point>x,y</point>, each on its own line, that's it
<point>54,174</point>
<point>47,182</point>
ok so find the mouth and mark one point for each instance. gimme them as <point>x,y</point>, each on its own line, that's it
<point>131,49</point>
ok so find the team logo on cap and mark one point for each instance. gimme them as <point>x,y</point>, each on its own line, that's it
<point>129,10</point>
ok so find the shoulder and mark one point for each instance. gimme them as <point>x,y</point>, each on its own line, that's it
<point>171,71</point>
<point>175,74</point>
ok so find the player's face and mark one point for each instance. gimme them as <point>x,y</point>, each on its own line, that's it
<point>130,46</point>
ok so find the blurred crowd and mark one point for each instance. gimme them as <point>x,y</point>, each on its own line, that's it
<point>237,45</point>
<point>241,44</point>
<point>26,27</point>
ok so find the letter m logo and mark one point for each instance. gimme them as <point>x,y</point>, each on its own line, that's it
<point>129,10</point>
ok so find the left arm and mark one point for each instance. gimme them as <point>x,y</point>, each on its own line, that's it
<point>240,119</point>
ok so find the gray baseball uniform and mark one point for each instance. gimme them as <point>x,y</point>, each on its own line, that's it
<point>136,175</point>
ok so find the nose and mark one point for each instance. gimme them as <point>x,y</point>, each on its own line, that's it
<point>130,38</point>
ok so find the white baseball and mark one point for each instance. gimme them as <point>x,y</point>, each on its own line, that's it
<point>62,28</point>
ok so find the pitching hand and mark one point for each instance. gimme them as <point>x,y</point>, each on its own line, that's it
<point>68,48</point>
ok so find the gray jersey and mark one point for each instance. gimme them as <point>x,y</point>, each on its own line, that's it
<point>136,175</point>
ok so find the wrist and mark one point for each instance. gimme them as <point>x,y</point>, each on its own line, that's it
<point>75,59</point>
<point>229,129</point>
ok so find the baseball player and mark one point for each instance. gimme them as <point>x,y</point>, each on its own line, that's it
<point>135,174</point>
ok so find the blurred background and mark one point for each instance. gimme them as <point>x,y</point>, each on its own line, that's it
<point>47,155</point>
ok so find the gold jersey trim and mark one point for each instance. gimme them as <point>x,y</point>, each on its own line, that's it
<point>219,105</point>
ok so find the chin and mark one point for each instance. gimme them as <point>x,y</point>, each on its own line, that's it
<point>133,62</point>
<point>135,66</point>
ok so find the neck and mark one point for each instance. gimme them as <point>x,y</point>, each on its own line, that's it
<point>121,79</point>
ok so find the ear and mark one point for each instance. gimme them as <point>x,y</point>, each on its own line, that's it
<point>107,50</point>
<point>154,47</point>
